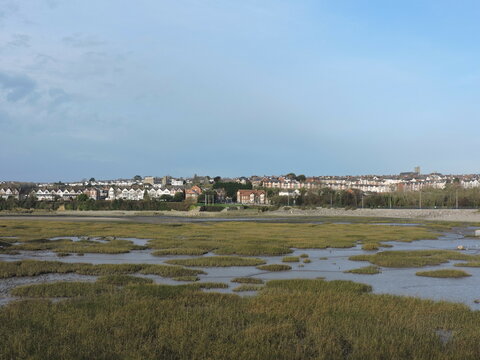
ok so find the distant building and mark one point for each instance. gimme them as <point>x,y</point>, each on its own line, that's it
<point>149,180</point>
<point>251,197</point>
<point>193,193</point>
<point>9,193</point>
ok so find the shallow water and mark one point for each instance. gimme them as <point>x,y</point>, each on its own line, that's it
<point>390,281</point>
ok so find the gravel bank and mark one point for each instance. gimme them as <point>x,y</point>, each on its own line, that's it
<point>464,215</point>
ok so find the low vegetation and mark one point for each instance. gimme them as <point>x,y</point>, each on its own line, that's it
<point>33,268</point>
<point>223,238</point>
<point>288,319</point>
<point>370,247</point>
<point>367,270</point>
<point>291,259</point>
<point>307,261</point>
<point>217,261</point>
<point>247,280</point>
<point>444,273</point>
<point>415,258</point>
<point>179,251</point>
<point>186,278</point>
<point>63,289</point>
<point>247,287</point>
<point>122,280</point>
<point>274,267</point>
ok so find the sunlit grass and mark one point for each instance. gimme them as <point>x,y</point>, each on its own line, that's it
<point>444,273</point>
<point>414,258</point>
<point>288,319</point>
<point>217,261</point>
<point>33,268</point>
<point>274,267</point>
<point>247,287</point>
<point>367,270</point>
<point>291,259</point>
<point>179,251</point>
<point>223,238</point>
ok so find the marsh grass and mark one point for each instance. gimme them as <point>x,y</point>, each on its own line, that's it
<point>247,280</point>
<point>247,287</point>
<point>122,280</point>
<point>83,246</point>
<point>367,270</point>
<point>179,251</point>
<point>291,259</point>
<point>304,255</point>
<point>217,261</point>
<point>274,267</point>
<point>223,238</point>
<point>33,268</point>
<point>307,261</point>
<point>415,258</point>
<point>468,264</point>
<point>63,289</point>
<point>370,246</point>
<point>444,273</point>
<point>186,278</point>
<point>288,319</point>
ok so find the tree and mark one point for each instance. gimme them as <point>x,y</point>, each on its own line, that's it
<point>301,178</point>
<point>166,197</point>
<point>92,179</point>
<point>82,197</point>
<point>137,178</point>
<point>179,196</point>
<point>217,179</point>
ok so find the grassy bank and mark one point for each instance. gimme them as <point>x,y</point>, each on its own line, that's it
<point>290,319</point>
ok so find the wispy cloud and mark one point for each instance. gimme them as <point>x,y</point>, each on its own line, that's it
<point>83,41</point>
<point>16,86</point>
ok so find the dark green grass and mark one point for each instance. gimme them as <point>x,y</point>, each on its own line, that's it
<point>186,278</point>
<point>247,280</point>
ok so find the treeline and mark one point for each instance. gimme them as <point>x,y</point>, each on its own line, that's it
<point>231,188</point>
<point>90,204</point>
<point>451,197</point>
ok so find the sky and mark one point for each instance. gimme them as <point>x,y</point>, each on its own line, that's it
<point>116,88</point>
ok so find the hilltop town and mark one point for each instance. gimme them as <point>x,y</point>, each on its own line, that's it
<point>248,190</point>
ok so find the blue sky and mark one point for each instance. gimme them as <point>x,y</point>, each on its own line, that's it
<point>111,89</point>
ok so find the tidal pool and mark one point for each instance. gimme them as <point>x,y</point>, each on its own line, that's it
<point>328,263</point>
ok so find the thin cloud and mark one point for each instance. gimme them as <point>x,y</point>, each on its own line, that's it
<point>82,41</point>
<point>16,87</point>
